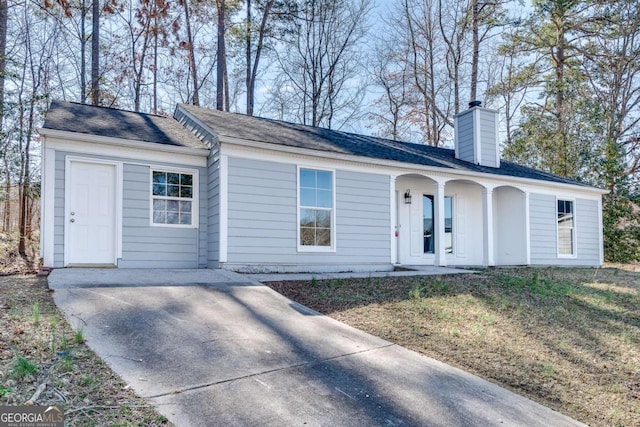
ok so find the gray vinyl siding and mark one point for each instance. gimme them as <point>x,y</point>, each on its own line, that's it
<point>213,203</point>
<point>488,138</point>
<point>588,231</point>
<point>465,138</point>
<point>543,228</point>
<point>143,245</point>
<point>262,217</point>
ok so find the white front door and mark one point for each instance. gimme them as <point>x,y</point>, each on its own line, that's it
<point>91,213</point>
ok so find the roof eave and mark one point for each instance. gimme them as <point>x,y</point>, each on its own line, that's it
<point>181,108</point>
<point>120,142</point>
<point>397,164</point>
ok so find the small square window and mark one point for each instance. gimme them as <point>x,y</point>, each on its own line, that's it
<point>172,198</point>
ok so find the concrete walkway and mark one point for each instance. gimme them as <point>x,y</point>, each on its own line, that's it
<point>234,352</point>
<point>92,277</point>
<point>418,270</point>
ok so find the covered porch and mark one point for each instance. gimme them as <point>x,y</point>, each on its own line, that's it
<point>447,221</point>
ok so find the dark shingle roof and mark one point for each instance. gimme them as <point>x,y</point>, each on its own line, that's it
<point>110,122</point>
<point>294,135</point>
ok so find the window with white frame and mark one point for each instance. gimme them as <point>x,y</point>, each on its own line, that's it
<point>315,209</point>
<point>448,224</point>
<point>566,228</point>
<point>172,194</point>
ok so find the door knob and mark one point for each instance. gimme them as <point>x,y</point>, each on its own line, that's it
<point>72,220</point>
<point>73,213</point>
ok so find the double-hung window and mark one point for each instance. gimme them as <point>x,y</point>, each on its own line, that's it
<point>315,210</point>
<point>566,228</point>
<point>172,198</point>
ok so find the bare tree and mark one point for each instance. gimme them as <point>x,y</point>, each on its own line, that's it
<point>253,57</point>
<point>611,51</point>
<point>32,87</point>
<point>4,21</point>
<point>453,25</point>
<point>432,108</point>
<point>390,75</point>
<point>142,26</point>
<point>321,61</point>
<point>190,47</point>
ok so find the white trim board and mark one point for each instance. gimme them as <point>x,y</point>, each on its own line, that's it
<point>47,217</point>
<point>148,153</point>
<point>119,142</point>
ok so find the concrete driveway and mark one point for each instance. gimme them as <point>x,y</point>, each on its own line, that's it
<point>234,352</point>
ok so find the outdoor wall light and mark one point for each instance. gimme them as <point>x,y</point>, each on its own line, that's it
<point>407,197</point>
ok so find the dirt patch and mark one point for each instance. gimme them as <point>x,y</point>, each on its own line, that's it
<point>567,338</point>
<point>39,349</point>
<point>11,262</point>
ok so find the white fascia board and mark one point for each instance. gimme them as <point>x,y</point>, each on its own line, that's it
<point>124,149</point>
<point>237,147</point>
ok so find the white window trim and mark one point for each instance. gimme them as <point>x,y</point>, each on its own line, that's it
<point>575,229</point>
<point>317,249</point>
<point>195,200</point>
<point>454,228</point>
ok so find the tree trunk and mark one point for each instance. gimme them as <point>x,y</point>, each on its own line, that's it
<point>83,53</point>
<point>226,85</point>
<point>559,59</point>
<point>192,55</point>
<point>248,59</point>
<point>254,71</point>
<point>476,52</point>
<point>4,20</point>
<point>95,53</point>
<point>25,189</point>
<point>6,220</point>
<point>155,66</point>
<point>221,64</point>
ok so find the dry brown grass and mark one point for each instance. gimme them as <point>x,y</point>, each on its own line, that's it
<point>567,338</point>
<point>11,262</point>
<point>37,346</point>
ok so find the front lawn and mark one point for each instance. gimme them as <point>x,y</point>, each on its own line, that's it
<point>567,338</point>
<point>39,351</point>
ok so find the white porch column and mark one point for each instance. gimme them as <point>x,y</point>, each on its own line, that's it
<point>393,206</point>
<point>438,199</point>
<point>527,232</point>
<point>487,228</point>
